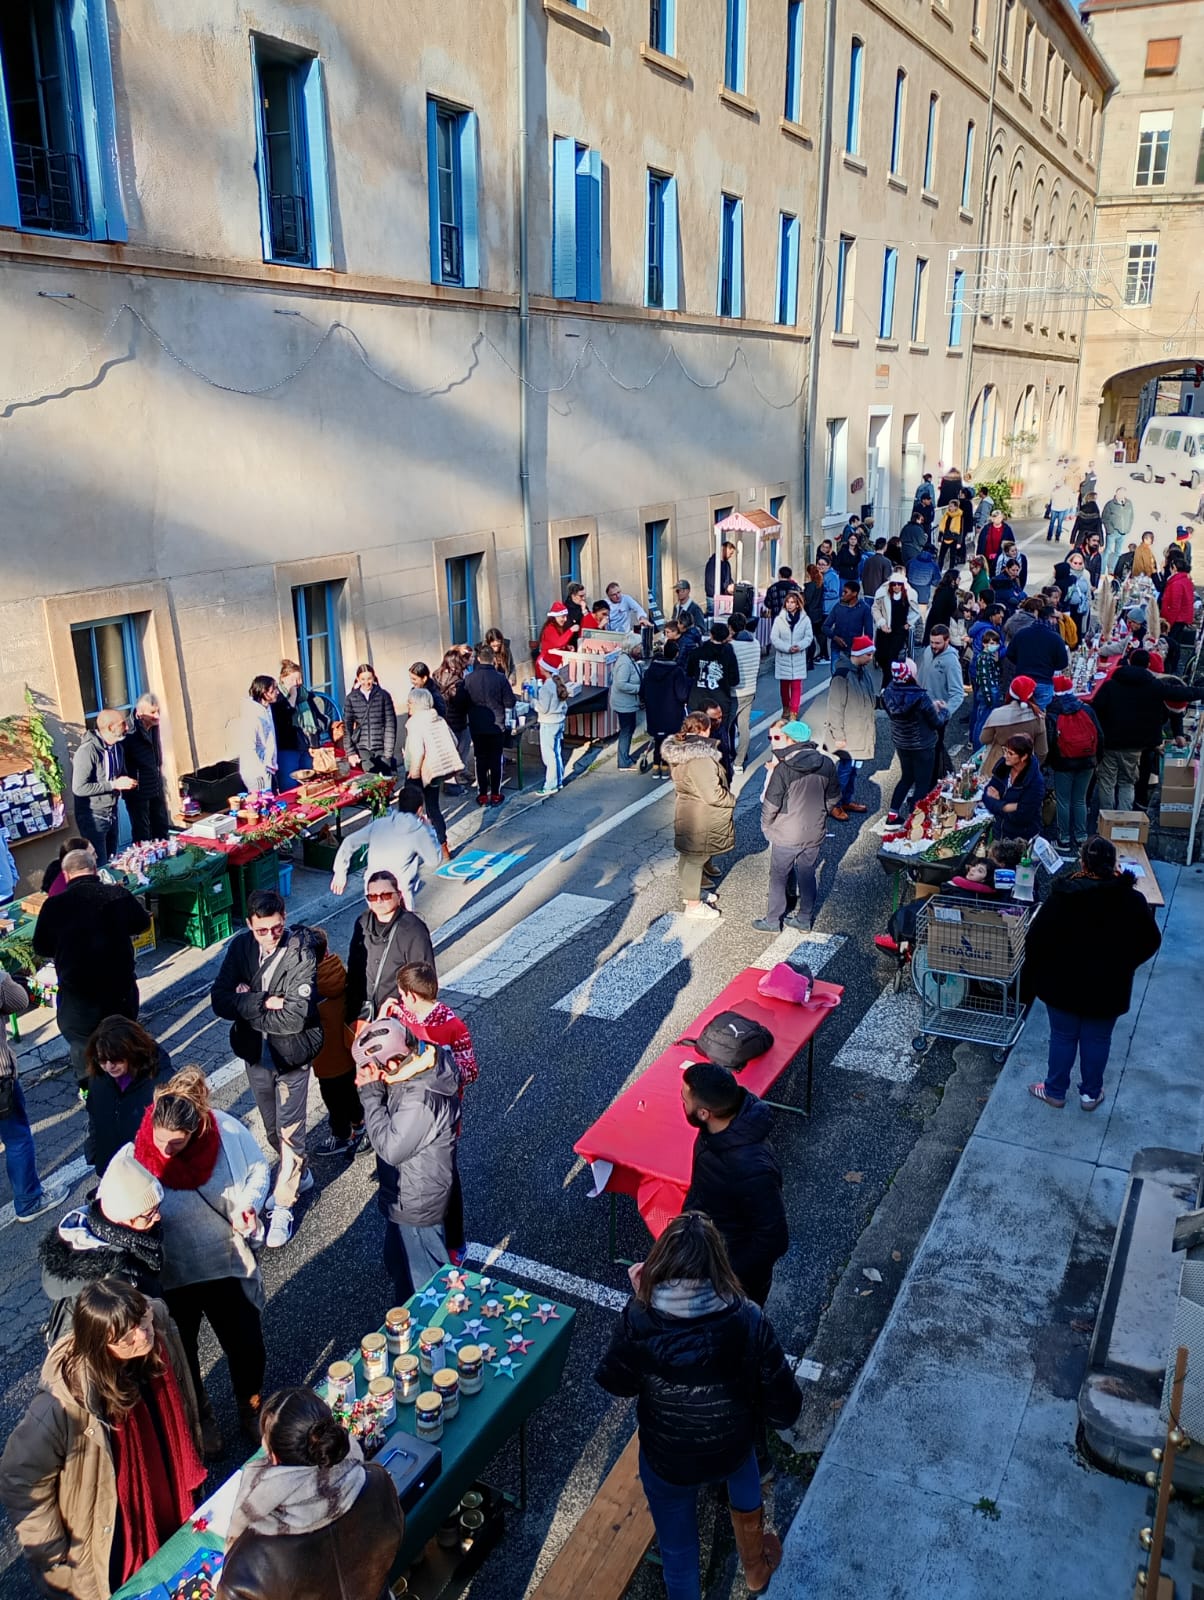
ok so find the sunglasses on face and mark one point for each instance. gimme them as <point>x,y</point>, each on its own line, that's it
<point>274,932</point>
<point>389,894</point>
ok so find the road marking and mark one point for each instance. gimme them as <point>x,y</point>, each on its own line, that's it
<point>629,974</point>
<point>523,946</point>
<point>816,949</point>
<point>809,1371</point>
<point>562,1283</point>
<point>880,1044</point>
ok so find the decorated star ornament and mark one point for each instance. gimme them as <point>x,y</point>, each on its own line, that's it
<point>432,1295</point>
<point>517,1320</point>
<point>456,1282</point>
<point>458,1303</point>
<point>489,1351</point>
<point>474,1330</point>
<point>516,1300</point>
<point>516,1345</point>
<point>452,1341</point>
<point>485,1284</point>
<point>492,1308</point>
<point>547,1312</point>
<point>504,1367</point>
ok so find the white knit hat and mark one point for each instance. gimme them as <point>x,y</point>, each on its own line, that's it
<point>127,1189</point>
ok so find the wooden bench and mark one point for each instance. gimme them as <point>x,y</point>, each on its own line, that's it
<point>610,1540</point>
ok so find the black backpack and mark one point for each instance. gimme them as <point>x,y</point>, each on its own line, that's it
<point>731,1040</point>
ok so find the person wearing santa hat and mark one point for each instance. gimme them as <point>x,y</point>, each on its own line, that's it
<point>555,637</point>
<point>851,730</point>
<point>1076,741</point>
<point>1017,714</point>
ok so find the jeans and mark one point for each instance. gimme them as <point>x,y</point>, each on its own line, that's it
<point>1070,795</point>
<point>19,1158</point>
<point>1042,695</point>
<point>412,1257</point>
<point>1117,776</point>
<point>1088,1037</point>
<point>791,691</point>
<point>236,1326</point>
<point>674,1509</point>
<point>740,730</point>
<point>627,722</point>
<point>281,1099</point>
<point>342,1101</point>
<point>551,748</point>
<point>785,860</point>
<point>846,773</point>
<point>1056,519</point>
<point>488,747</point>
<point>915,767</point>
<point>102,838</point>
<point>1114,543</point>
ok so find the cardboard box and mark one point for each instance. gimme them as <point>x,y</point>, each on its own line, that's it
<point>1130,827</point>
<point>975,941</point>
<point>1175,815</point>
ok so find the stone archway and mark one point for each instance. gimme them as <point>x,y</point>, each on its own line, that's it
<point>1129,398</point>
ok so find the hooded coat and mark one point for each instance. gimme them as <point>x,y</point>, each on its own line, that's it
<point>371,725</point>
<point>789,641</point>
<point>1009,718</point>
<point>378,952</point>
<point>1065,705</point>
<point>1026,795</point>
<point>851,704</point>
<point>882,608</point>
<point>411,1127</point>
<point>1086,943</point>
<point>737,1181</point>
<point>800,790</point>
<point>84,1247</point>
<point>914,720</point>
<point>703,813</point>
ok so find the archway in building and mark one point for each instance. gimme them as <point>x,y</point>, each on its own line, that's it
<point>1129,399</point>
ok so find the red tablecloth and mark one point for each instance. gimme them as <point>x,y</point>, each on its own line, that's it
<point>238,849</point>
<point>644,1133</point>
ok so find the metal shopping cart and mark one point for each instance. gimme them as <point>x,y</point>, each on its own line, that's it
<point>966,969</point>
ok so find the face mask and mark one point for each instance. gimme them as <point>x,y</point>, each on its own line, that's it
<point>991,649</point>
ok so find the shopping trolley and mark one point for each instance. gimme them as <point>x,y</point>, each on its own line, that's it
<point>966,967</point>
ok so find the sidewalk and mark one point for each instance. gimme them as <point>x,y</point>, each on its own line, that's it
<point>953,1469</point>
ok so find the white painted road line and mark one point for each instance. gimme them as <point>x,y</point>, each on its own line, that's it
<point>809,1371</point>
<point>629,974</point>
<point>815,949</point>
<point>561,1283</point>
<point>515,952</point>
<point>880,1044</point>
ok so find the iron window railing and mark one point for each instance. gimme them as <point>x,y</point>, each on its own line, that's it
<point>451,254</point>
<point>290,227</point>
<point>50,189</point>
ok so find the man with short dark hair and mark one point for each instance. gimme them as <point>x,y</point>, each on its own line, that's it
<point>801,792</point>
<point>266,988</point>
<point>687,613</point>
<point>876,568</point>
<point>1039,652</point>
<point>736,1178</point>
<point>775,595</point>
<point>727,583</point>
<point>848,620</point>
<point>98,776</point>
<point>713,670</point>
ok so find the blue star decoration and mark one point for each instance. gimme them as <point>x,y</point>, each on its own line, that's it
<point>432,1296</point>
<point>505,1368</point>
<point>485,1284</point>
<point>516,1345</point>
<point>517,1299</point>
<point>474,1330</point>
<point>547,1312</point>
<point>452,1341</point>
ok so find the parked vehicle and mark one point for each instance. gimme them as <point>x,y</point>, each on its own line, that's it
<point>1172,448</point>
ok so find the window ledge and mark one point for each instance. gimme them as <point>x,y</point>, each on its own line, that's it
<point>918,349</point>
<point>942,14</point>
<point>1078,155</point>
<point>669,65</point>
<point>1004,75</point>
<point>855,163</point>
<point>964,215</point>
<point>886,344</point>
<point>977,46</point>
<point>1026,99</point>
<point>929,199</point>
<point>954,350</point>
<point>574,17</point>
<point>1045,122</point>
<point>1062,139</point>
<point>795,130</point>
<point>895,182</point>
<point>736,101</point>
<point>1062,335</point>
<point>1007,321</point>
<point>849,341</point>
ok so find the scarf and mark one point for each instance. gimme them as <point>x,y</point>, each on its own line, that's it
<point>146,1245</point>
<point>157,1467</point>
<point>686,1298</point>
<point>279,1499</point>
<point>194,1165</point>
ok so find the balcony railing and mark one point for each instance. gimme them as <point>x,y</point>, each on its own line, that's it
<point>50,189</point>
<point>289,215</point>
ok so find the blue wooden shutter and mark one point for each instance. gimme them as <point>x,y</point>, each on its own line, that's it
<point>671,277</point>
<point>738,259</point>
<point>95,68</point>
<point>564,218</point>
<point>589,225</point>
<point>886,315</point>
<point>10,212</point>
<point>319,167</point>
<point>469,200</point>
<point>432,187</point>
<point>788,271</point>
<point>261,157</point>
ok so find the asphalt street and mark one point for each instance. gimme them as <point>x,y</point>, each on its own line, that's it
<point>595,869</point>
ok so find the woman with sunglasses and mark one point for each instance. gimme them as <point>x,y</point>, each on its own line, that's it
<point>104,1466</point>
<point>124,1065</point>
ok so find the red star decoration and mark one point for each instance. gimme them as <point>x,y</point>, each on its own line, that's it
<point>516,1345</point>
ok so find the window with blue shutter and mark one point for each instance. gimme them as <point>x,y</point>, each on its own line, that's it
<point>463,610</point>
<point>788,237</point>
<point>852,131</point>
<point>968,166</point>
<point>955,315</point>
<point>662,25</point>
<point>316,614</point>
<point>452,190</point>
<point>655,539</point>
<point>793,110</point>
<point>290,127</point>
<point>661,267</point>
<point>930,141</point>
<point>841,300</point>
<point>59,170</point>
<point>108,665</point>
<point>735,50</point>
<point>576,221</point>
<point>919,303</point>
<point>896,130</point>
<point>730,299</point>
<point>886,313</point>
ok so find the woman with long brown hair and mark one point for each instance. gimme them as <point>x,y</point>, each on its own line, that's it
<point>124,1065</point>
<point>449,680</point>
<point>103,1467</point>
<point>707,1371</point>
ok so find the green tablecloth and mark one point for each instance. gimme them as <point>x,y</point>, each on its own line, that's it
<point>485,1422</point>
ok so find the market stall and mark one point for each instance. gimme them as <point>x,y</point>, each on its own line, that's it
<point>760,529</point>
<point>939,836</point>
<point>502,1354</point>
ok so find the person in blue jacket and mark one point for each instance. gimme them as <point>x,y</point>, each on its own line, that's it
<point>831,579</point>
<point>846,621</point>
<point>923,572</point>
<point>1016,791</point>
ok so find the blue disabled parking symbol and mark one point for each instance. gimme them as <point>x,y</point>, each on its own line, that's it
<point>479,866</point>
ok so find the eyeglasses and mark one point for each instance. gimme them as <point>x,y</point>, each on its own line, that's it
<point>271,932</point>
<point>389,894</point>
<point>148,1217</point>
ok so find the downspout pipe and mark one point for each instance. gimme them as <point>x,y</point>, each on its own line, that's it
<point>524,325</point>
<point>968,385</point>
<point>810,519</point>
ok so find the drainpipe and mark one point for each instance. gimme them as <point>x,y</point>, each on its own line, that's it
<point>967,388</point>
<point>524,324</point>
<point>810,520</point>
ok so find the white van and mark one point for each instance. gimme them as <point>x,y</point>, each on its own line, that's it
<point>1172,448</point>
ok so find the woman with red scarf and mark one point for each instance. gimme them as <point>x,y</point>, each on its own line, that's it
<point>103,1467</point>
<point>215,1183</point>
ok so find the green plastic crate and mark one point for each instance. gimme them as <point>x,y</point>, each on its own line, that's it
<point>262,873</point>
<point>200,896</point>
<point>195,928</point>
<point>318,854</point>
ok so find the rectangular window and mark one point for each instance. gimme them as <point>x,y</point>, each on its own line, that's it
<point>661,275</point>
<point>896,131</point>
<point>735,45</point>
<point>1051,61</point>
<point>316,613</point>
<point>1153,148</point>
<point>730,300</point>
<point>655,536</point>
<point>852,131</point>
<point>956,309</point>
<point>58,135</point>
<point>777,510</point>
<point>571,551</point>
<point>788,237</point>
<point>968,167</point>
<point>1005,45</point>
<point>576,221</point>
<point>919,303</point>
<point>1161,57</point>
<point>294,203</point>
<point>976,18</point>
<point>934,101</point>
<point>463,610</point>
<point>1139,270</point>
<point>886,310</point>
<point>451,144</point>
<point>836,467</point>
<point>1063,96</point>
<point>662,26</point>
<point>793,109</point>
<point>1026,58</point>
<point>842,309</point>
<point>108,665</point>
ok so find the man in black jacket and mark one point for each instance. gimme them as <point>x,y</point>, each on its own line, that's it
<point>713,670</point>
<point>490,697</point>
<point>803,788</point>
<point>143,750</point>
<point>1131,709</point>
<point>86,931</point>
<point>98,776</point>
<point>267,989</point>
<point>1039,652</point>
<point>736,1178</point>
<point>385,939</point>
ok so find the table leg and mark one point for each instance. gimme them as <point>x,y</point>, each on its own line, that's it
<point>616,1261</point>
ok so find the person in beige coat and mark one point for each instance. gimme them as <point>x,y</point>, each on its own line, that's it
<point>59,1476</point>
<point>703,824</point>
<point>1017,714</point>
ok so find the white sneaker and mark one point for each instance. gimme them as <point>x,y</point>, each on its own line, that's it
<point>306,1184</point>
<point>703,913</point>
<point>52,1195</point>
<point>281,1230</point>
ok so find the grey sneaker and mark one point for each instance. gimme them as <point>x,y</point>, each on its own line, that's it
<point>52,1195</point>
<point>306,1184</point>
<point>281,1230</point>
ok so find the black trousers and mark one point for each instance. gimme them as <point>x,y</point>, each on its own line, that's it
<point>1179,639</point>
<point>488,747</point>
<point>916,779</point>
<point>236,1326</point>
<point>342,1101</point>
<point>78,1018</point>
<point>430,802</point>
<point>148,816</point>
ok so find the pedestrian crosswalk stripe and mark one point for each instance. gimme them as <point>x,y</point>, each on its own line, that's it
<point>880,1044</point>
<point>813,949</point>
<point>629,974</point>
<point>514,953</point>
